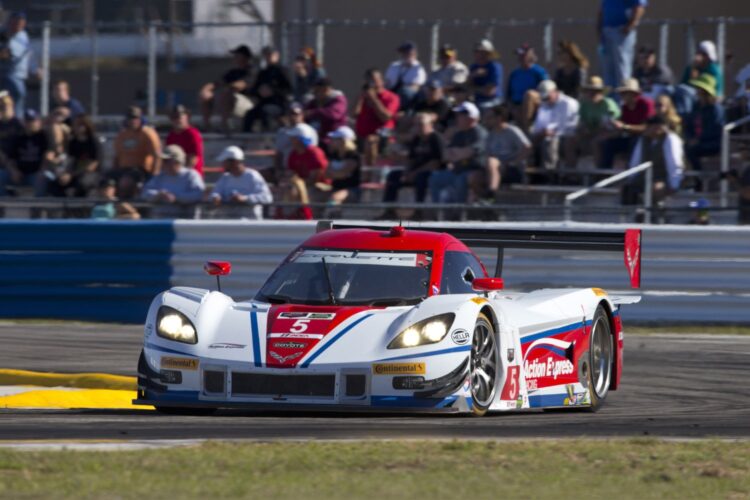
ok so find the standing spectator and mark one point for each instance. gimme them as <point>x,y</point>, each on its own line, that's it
<point>663,148</point>
<point>271,92</point>
<point>426,151</point>
<point>654,78</point>
<point>451,71</point>
<point>556,122</point>
<point>433,101</point>
<point>405,76</point>
<point>228,95</point>
<point>598,113</point>
<point>343,170</point>
<point>10,128</point>
<point>326,112</point>
<point>635,109</point>
<point>507,150</point>
<point>618,21</point>
<point>137,151</point>
<point>376,111</point>
<point>486,75</point>
<point>705,62</point>
<point>704,126</point>
<point>175,185</point>
<point>293,120</point>
<point>61,98</point>
<point>84,153</point>
<point>306,70</point>
<point>665,108</point>
<point>29,156</point>
<point>112,208</point>
<point>465,158</point>
<point>240,186</point>
<point>187,137</point>
<point>15,54</point>
<point>526,77</point>
<point>304,179</point>
<point>572,69</point>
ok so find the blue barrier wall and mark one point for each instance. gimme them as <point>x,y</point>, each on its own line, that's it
<point>87,270</point>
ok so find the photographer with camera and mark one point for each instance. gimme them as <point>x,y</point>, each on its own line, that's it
<point>376,111</point>
<point>15,52</point>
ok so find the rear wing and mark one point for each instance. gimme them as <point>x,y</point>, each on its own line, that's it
<point>628,242</point>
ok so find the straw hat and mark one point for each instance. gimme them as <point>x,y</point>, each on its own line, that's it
<point>630,85</point>
<point>595,83</point>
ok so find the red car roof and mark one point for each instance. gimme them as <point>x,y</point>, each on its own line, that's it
<point>393,239</point>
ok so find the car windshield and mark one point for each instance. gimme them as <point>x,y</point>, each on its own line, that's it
<point>349,277</point>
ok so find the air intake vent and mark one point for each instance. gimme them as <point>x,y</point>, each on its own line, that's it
<point>356,385</point>
<point>213,382</point>
<point>258,384</point>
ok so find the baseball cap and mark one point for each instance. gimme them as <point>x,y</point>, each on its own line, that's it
<point>323,82</point>
<point>469,108</point>
<point>242,50</point>
<point>30,114</point>
<point>434,84</point>
<point>709,48</point>
<point>545,88</point>
<point>484,45</point>
<point>343,132</point>
<point>523,49</point>
<point>231,153</point>
<point>407,46</point>
<point>180,109</point>
<point>174,152</point>
<point>296,107</point>
<point>134,112</point>
<point>448,50</point>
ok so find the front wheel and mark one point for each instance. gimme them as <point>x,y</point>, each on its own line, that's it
<point>485,361</point>
<point>601,356</point>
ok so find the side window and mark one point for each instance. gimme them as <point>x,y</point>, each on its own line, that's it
<point>459,269</point>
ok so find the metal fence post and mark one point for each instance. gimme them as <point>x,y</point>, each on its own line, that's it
<point>320,41</point>
<point>548,41</point>
<point>725,157</point>
<point>648,193</point>
<point>721,43</point>
<point>152,72</point>
<point>434,44</point>
<point>689,42</point>
<point>663,44</point>
<point>284,42</point>
<point>44,97</point>
<point>94,105</point>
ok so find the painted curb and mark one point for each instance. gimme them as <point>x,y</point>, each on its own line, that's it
<point>104,399</point>
<point>75,380</point>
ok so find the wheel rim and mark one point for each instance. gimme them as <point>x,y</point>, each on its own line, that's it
<point>484,363</point>
<point>601,358</point>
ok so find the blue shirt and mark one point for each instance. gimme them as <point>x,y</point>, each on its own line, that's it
<point>20,53</point>
<point>490,73</point>
<point>618,12</point>
<point>524,79</point>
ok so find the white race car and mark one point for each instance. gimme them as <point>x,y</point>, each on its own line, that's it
<point>363,318</point>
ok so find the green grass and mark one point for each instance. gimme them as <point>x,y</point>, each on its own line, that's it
<point>383,470</point>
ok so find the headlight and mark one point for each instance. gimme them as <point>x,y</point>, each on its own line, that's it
<point>428,331</point>
<point>173,325</point>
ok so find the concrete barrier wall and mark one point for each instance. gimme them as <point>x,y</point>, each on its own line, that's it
<point>111,270</point>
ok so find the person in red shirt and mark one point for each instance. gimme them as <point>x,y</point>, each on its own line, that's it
<point>304,179</point>
<point>376,112</point>
<point>187,137</point>
<point>635,109</point>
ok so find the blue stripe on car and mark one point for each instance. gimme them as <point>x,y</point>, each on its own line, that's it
<point>426,354</point>
<point>410,402</point>
<point>334,339</point>
<point>553,331</point>
<point>256,336</point>
<point>547,400</point>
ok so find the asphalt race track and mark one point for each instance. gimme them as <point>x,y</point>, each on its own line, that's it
<point>674,386</point>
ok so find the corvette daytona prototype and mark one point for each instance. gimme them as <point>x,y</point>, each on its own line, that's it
<point>376,318</point>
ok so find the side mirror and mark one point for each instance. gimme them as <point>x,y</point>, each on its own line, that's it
<point>217,268</point>
<point>487,284</point>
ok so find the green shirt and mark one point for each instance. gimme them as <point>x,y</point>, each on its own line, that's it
<point>593,114</point>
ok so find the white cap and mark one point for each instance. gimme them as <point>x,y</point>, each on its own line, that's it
<point>709,48</point>
<point>545,88</point>
<point>343,132</point>
<point>469,108</point>
<point>484,45</point>
<point>303,131</point>
<point>231,153</point>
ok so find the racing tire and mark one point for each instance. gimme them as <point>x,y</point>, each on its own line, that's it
<point>484,365</point>
<point>601,359</point>
<point>185,412</point>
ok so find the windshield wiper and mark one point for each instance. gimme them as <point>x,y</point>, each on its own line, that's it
<point>277,299</point>
<point>331,295</point>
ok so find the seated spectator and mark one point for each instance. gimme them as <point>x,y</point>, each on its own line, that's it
<point>327,111</point>
<point>376,111</point>
<point>175,185</point>
<point>665,108</point>
<point>58,132</point>
<point>526,77</point>
<point>486,75</point>
<point>434,101</point>
<point>240,186</point>
<point>425,153</point>
<point>293,119</point>
<point>29,156</point>
<point>458,95</point>
<point>304,179</point>
<point>112,208</point>
<point>705,62</point>
<point>84,151</point>
<point>228,95</point>
<point>507,150</point>
<point>572,68</point>
<point>451,71</point>
<point>10,128</point>
<point>306,70</point>
<point>343,172</point>
<point>635,109</point>
<point>405,76</point>
<point>704,126</point>
<point>186,136</point>
<point>465,160</point>
<point>653,78</point>
<point>270,92</point>
<point>137,151</point>
<point>556,122</point>
<point>598,113</point>
<point>71,107</point>
<point>663,148</point>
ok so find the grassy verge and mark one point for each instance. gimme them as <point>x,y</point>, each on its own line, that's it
<point>427,469</point>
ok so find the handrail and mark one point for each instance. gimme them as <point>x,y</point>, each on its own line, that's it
<point>647,194</point>
<point>725,145</point>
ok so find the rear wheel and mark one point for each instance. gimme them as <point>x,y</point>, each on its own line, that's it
<point>485,362</point>
<point>601,356</point>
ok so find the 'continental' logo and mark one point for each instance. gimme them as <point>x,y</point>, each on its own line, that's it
<point>179,363</point>
<point>398,368</point>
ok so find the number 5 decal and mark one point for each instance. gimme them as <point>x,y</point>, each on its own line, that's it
<point>510,389</point>
<point>300,326</point>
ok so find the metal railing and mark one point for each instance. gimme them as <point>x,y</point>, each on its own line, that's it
<point>647,190</point>
<point>726,158</point>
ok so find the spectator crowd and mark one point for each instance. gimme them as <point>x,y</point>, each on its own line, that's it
<point>458,133</point>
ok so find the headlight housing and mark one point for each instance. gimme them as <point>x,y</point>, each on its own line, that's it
<point>428,331</point>
<point>173,325</point>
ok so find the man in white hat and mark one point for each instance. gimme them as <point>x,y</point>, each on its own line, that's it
<point>176,185</point>
<point>635,110</point>
<point>240,186</point>
<point>556,121</point>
